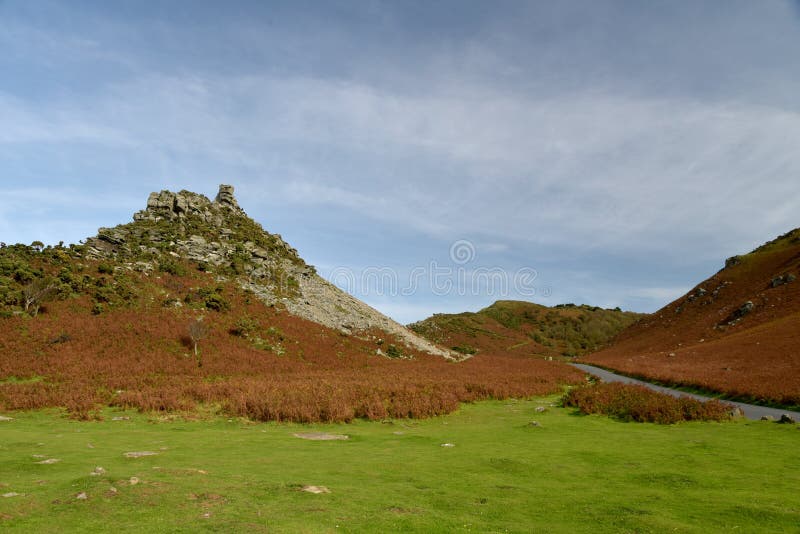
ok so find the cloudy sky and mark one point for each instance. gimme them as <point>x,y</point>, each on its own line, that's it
<point>428,156</point>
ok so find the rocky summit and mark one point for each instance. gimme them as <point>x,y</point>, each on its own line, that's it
<point>220,237</point>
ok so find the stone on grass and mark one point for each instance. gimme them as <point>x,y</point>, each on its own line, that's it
<point>534,423</point>
<point>316,489</point>
<point>133,481</point>
<point>98,471</point>
<point>320,436</point>
<point>786,418</point>
<point>767,418</point>
<point>448,444</point>
<point>541,409</point>
<point>11,494</point>
<point>139,454</point>
<point>4,418</point>
<point>49,461</point>
<point>82,496</point>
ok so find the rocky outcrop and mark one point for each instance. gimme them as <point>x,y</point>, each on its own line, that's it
<point>221,238</point>
<point>169,205</point>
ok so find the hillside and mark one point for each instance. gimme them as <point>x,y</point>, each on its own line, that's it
<point>525,328</point>
<point>193,306</point>
<point>736,332</point>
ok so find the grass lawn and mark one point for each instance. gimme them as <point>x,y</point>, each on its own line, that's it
<point>569,474</point>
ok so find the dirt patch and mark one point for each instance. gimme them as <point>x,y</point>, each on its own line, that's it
<point>321,436</point>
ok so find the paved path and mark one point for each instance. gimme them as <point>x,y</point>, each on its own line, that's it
<point>751,411</point>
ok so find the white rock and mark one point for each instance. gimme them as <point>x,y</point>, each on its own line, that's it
<point>316,489</point>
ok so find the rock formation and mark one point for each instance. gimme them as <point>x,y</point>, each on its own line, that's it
<point>221,238</point>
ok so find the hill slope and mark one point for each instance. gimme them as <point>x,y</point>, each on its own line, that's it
<point>222,239</point>
<point>525,328</point>
<point>736,332</point>
<point>193,305</point>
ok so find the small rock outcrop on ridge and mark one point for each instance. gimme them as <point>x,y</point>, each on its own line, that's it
<point>222,239</point>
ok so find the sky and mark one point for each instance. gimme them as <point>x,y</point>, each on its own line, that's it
<point>428,157</point>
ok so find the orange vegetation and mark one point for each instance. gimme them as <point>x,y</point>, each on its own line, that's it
<point>141,356</point>
<point>700,341</point>
<point>637,403</point>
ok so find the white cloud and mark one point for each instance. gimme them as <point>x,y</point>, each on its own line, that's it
<point>594,169</point>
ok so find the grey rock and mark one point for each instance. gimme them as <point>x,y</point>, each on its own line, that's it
<point>225,197</point>
<point>786,418</point>
<point>733,260</point>
<point>783,279</point>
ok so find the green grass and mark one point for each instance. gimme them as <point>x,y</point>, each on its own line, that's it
<point>570,474</point>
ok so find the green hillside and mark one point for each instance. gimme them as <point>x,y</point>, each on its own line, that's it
<point>527,328</point>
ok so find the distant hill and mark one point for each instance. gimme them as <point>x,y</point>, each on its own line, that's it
<point>194,305</point>
<point>525,328</point>
<point>737,332</point>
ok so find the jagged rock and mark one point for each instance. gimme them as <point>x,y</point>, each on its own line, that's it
<point>783,279</point>
<point>733,260</point>
<point>739,313</point>
<point>225,197</point>
<point>787,419</point>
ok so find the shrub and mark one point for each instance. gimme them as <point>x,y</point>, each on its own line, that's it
<point>210,297</point>
<point>393,352</point>
<point>630,402</point>
<point>171,267</point>
<point>245,327</point>
<point>105,268</point>
<point>466,349</point>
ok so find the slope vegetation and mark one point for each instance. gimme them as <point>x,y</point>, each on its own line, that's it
<point>527,329</point>
<point>194,306</point>
<point>735,333</point>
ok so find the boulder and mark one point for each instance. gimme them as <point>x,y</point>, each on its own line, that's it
<point>783,279</point>
<point>225,197</point>
<point>787,419</point>
<point>733,260</point>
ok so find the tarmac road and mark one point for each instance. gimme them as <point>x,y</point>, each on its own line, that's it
<point>751,411</point>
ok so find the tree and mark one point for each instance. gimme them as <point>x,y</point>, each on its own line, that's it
<point>197,331</point>
<point>36,293</point>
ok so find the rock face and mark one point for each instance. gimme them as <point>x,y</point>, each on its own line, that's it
<point>221,238</point>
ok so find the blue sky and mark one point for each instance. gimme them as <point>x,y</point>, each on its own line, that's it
<point>619,151</point>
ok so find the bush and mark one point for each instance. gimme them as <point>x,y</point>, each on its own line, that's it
<point>209,297</point>
<point>171,267</point>
<point>245,327</point>
<point>393,352</point>
<point>466,349</point>
<point>630,402</point>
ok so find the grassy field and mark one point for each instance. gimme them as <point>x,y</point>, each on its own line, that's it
<point>569,474</point>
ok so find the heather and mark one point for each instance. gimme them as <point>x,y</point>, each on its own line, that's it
<point>631,402</point>
<point>131,340</point>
